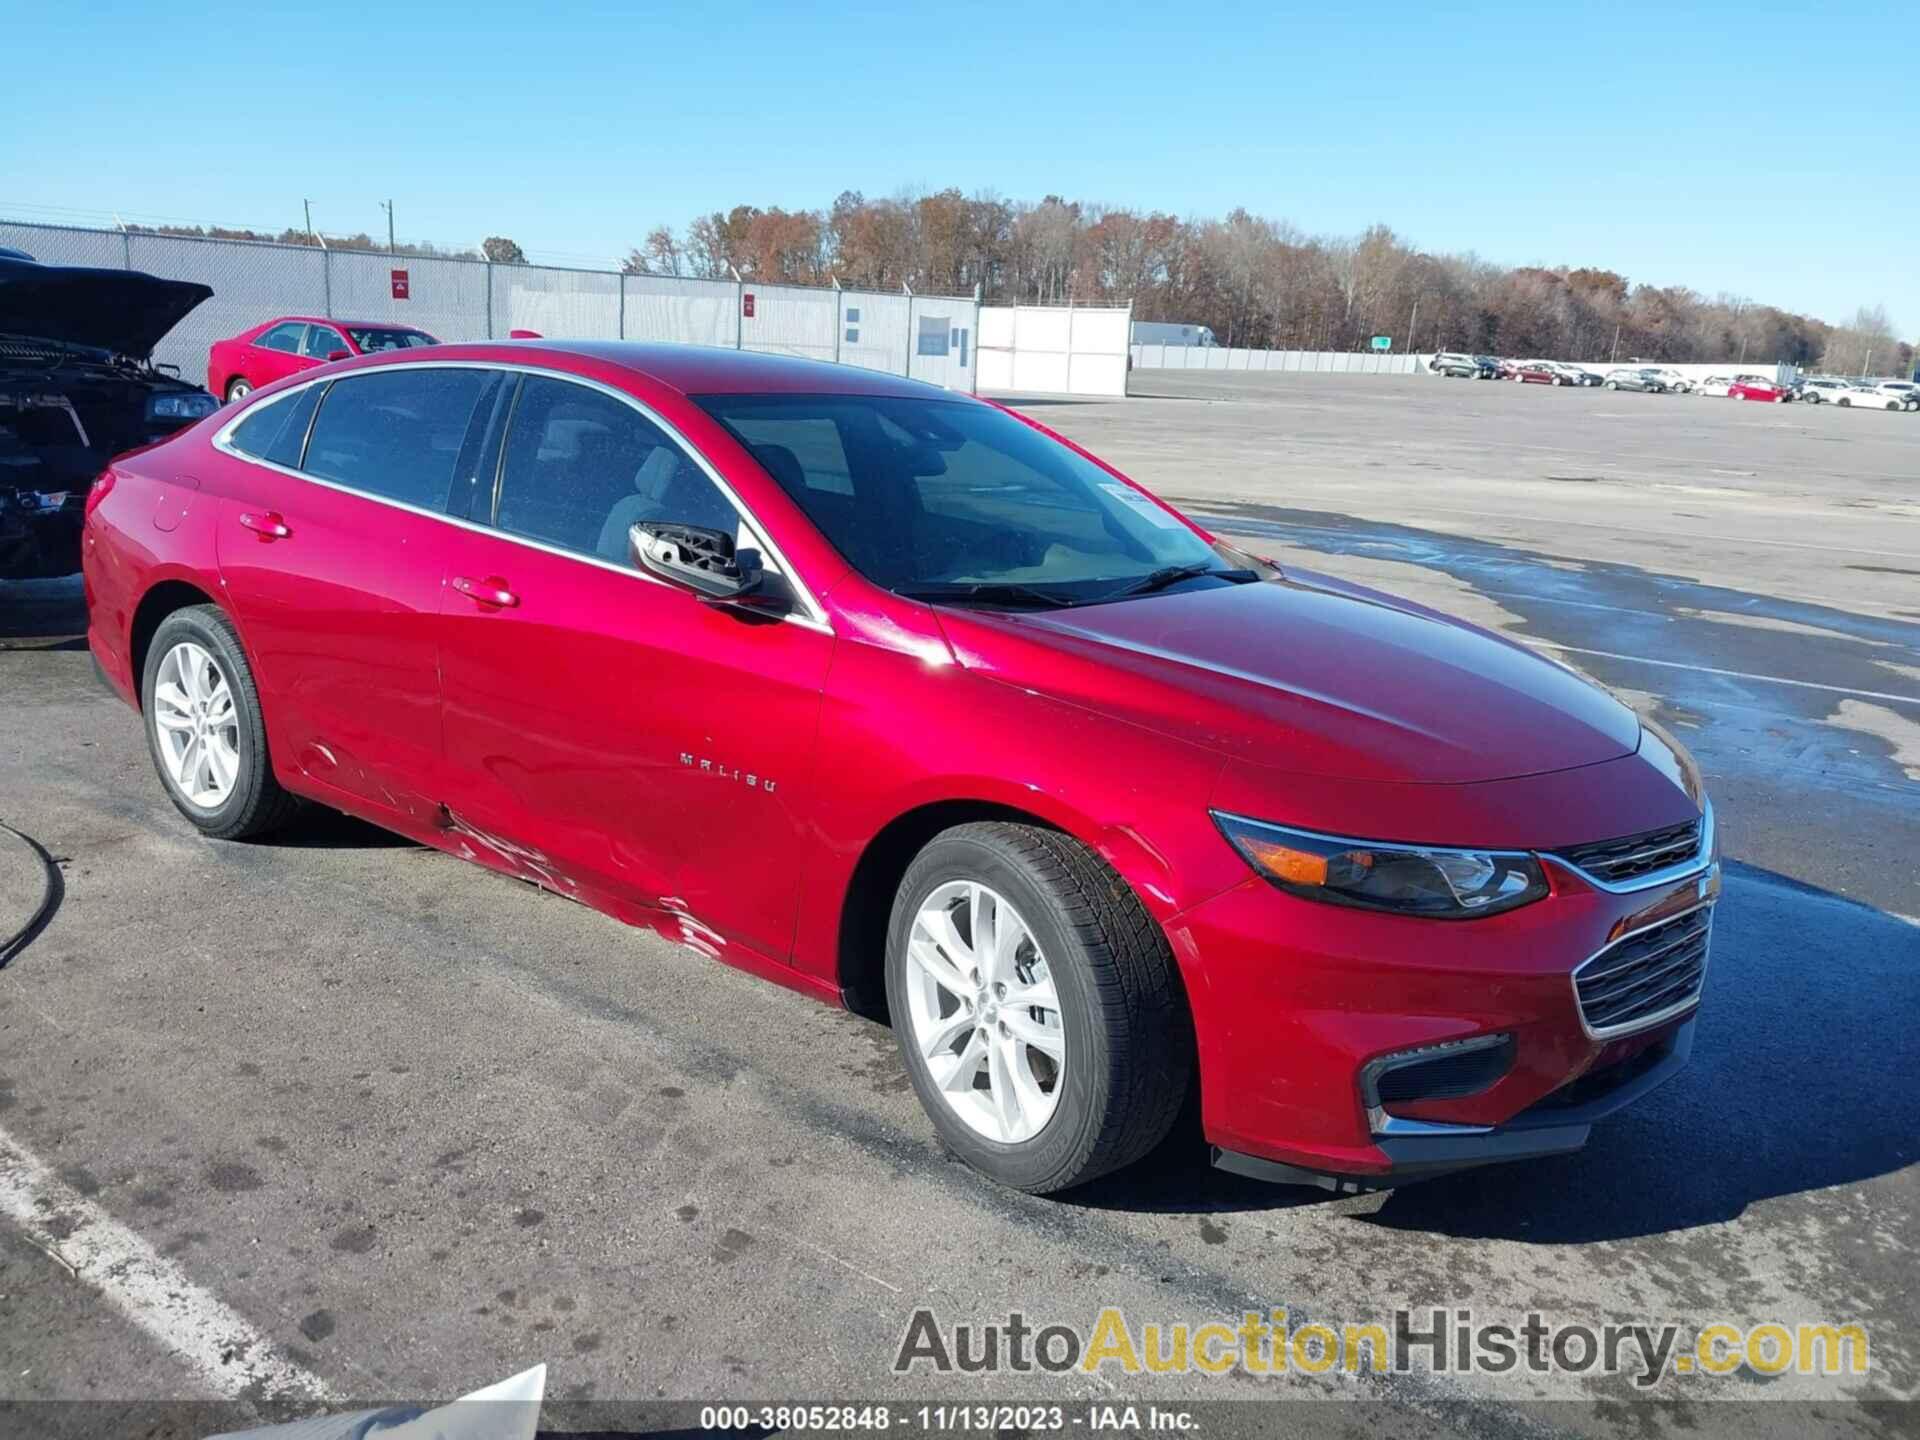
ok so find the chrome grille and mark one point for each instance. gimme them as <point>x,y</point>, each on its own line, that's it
<point>1646,977</point>
<point>1615,861</point>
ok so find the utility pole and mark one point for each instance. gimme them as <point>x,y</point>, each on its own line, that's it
<point>1614,353</point>
<point>387,205</point>
<point>307,207</point>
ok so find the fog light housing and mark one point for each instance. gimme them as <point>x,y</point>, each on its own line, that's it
<point>1449,1070</point>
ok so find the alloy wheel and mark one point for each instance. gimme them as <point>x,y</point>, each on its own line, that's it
<point>985,1012</point>
<point>196,725</point>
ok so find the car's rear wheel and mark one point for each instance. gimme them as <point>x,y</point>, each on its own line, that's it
<point>1844,403</point>
<point>1613,384</point>
<point>238,387</point>
<point>1037,1006</point>
<point>204,727</point>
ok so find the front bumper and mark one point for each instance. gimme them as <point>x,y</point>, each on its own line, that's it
<point>1297,1004</point>
<point>1557,1125</point>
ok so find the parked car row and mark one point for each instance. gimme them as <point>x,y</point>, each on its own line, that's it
<point>1864,394</point>
<point>1873,394</point>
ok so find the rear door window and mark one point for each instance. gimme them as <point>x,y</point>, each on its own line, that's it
<point>581,467</point>
<point>284,337</point>
<point>397,434</point>
<point>276,429</point>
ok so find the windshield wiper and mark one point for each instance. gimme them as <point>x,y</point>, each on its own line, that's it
<point>992,592</point>
<point>1168,575</point>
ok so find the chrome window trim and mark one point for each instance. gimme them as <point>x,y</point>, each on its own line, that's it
<point>1699,861</point>
<point>815,617</point>
<point>1659,1017</point>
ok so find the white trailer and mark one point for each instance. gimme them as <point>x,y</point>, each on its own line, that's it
<point>1156,332</point>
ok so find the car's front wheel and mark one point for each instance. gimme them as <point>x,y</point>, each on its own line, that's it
<point>1613,384</point>
<point>204,727</point>
<point>1844,403</point>
<point>1037,1006</point>
<point>238,388</point>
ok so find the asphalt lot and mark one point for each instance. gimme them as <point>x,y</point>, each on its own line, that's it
<point>420,1127</point>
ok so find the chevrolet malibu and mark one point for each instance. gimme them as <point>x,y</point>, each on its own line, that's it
<point>896,698</point>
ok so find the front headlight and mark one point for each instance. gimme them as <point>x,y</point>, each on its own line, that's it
<point>181,405</point>
<point>1426,880</point>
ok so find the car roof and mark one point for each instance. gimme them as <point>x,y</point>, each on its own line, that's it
<point>338,323</point>
<point>691,369</point>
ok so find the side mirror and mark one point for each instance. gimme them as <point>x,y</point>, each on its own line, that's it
<point>697,559</point>
<point>338,354</point>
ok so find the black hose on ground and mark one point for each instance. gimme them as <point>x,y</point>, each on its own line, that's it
<point>53,891</point>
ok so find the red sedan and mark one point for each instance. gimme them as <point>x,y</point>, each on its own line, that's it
<point>289,344</point>
<point>1754,387</point>
<point>1535,372</point>
<point>897,698</point>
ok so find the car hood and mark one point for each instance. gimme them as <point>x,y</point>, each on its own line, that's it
<point>123,311</point>
<point>1308,674</point>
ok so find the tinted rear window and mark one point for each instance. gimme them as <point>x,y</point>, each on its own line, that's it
<point>275,429</point>
<point>396,433</point>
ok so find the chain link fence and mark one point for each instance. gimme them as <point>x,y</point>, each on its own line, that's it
<point>930,338</point>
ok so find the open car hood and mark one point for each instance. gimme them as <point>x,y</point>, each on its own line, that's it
<point>124,311</point>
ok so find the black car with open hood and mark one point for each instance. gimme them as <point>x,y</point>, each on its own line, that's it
<point>77,387</point>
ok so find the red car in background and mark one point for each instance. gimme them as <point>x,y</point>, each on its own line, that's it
<point>289,344</point>
<point>1535,372</point>
<point>1755,387</point>
<point>895,697</point>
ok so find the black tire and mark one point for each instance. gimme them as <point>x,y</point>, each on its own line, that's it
<point>1844,403</point>
<point>238,388</point>
<point>257,803</point>
<point>1127,1031</point>
<point>1613,384</point>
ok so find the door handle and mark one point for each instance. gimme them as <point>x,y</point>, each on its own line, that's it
<point>268,526</point>
<point>491,591</point>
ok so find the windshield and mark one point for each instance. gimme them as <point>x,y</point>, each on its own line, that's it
<point>371,338</point>
<point>948,500</point>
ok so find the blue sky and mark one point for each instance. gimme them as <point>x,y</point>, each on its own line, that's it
<point>1739,148</point>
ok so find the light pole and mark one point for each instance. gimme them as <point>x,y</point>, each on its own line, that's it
<point>387,205</point>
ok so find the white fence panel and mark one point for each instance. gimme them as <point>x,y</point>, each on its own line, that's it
<point>250,283</point>
<point>788,320</point>
<point>687,312</point>
<point>943,340</point>
<point>577,304</point>
<point>1313,362</point>
<point>1051,349</point>
<point>446,298</point>
<point>1097,352</point>
<point>933,338</point>
<point>63,245</point>
<point>874,330</point>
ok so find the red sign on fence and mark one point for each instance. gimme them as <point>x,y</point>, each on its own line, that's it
<point>746,304</point>
<point>400,285</point>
